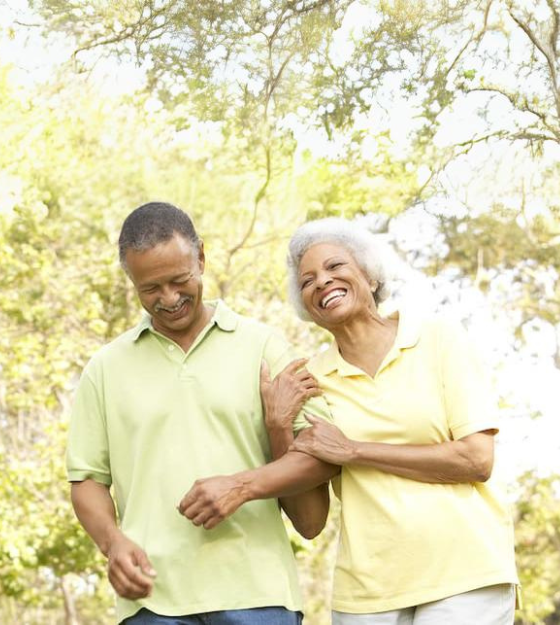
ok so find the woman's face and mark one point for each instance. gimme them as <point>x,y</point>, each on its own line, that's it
<point>333,287</point>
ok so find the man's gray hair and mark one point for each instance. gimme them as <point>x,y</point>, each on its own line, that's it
<point>366,248</point>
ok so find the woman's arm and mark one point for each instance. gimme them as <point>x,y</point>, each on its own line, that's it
<point>469,459</point>
<point>282,399</point>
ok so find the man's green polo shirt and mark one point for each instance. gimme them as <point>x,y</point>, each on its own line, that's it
<point>149,420</point>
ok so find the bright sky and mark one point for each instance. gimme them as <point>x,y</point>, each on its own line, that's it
<point>528,377</point>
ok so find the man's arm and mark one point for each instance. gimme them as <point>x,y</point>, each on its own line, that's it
<point>282,399</point>
<point>213,499</point>
<point>298,480</point>
<point>130,571</point>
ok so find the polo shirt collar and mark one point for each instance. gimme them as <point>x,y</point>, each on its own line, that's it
<point>408,334</point>
<point>145,324</point>
<point>225,318</point>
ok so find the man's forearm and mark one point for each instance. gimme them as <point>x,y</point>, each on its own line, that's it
<point>95,510</point>
<point>213,499</point>
<point>129,569</point>
<point>290,475</point>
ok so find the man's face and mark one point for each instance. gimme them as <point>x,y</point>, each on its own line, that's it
<point>168,280</point>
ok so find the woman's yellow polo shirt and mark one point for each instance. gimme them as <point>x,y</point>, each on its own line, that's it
<point>403,542</point>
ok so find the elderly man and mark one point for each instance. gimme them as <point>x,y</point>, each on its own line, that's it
<point>170,402</point>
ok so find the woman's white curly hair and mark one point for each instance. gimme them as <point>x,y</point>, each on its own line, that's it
<point>369,252</point>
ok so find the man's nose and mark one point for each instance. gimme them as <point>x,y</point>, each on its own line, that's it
<point>169,295</point>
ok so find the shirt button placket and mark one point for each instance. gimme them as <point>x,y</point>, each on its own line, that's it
<point>184,371</point>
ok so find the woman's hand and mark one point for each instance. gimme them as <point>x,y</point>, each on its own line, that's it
<point>284,396</point>
<point>325,442</point>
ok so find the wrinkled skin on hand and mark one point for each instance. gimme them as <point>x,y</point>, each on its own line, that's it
<point>130,571</point>
<point>213,499</point>
<point>325,442</point>
<point>285,396</point>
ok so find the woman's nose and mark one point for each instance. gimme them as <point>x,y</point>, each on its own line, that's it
<point>323,280</point>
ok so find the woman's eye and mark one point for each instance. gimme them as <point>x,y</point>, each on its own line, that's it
<point>335,265</point>
<point>304,284</point>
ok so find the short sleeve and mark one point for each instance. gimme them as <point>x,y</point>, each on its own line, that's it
<point>278,353</point>
<point>87,454</point>
<point>469,400</point>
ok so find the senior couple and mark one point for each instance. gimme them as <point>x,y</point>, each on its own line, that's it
<point>192,429</point>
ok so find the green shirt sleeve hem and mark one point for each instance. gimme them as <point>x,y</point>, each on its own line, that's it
<point>81,476</point>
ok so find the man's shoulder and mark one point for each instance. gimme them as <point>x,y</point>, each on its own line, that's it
<point>263,339</point>
<point>119,347</point>
<point>251,326</point>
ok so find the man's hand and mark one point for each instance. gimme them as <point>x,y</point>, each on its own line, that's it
<point>325,442</point>
<point>284,396</point>
<point>213,499</point>
<point>130,571</point>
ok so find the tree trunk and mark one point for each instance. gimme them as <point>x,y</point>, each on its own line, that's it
<point>69,604</point>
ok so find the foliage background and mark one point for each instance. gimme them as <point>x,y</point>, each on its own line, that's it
<point>437,124</point>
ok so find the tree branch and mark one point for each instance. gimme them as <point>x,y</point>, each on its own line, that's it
<point>258,199</point>
<point>548,55</point>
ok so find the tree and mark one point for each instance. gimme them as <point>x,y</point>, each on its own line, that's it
<point>538,547</point>
<point>234,91</point>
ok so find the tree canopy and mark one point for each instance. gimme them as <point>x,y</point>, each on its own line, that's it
<point>436,122</point>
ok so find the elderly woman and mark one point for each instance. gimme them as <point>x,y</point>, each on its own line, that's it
<point>425,538</point>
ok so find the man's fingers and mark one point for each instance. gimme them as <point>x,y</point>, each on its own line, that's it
<point>197,518</point>
<point>211,523</point>
<point>135,576</point>
<point>185,503</point>
<point>191,498</point>
<point>128,580</point>
<point>128,589</point>
<point>192,511</point>
<point>206,517</point>
<point>145,565</point>
<point>193,508</point>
